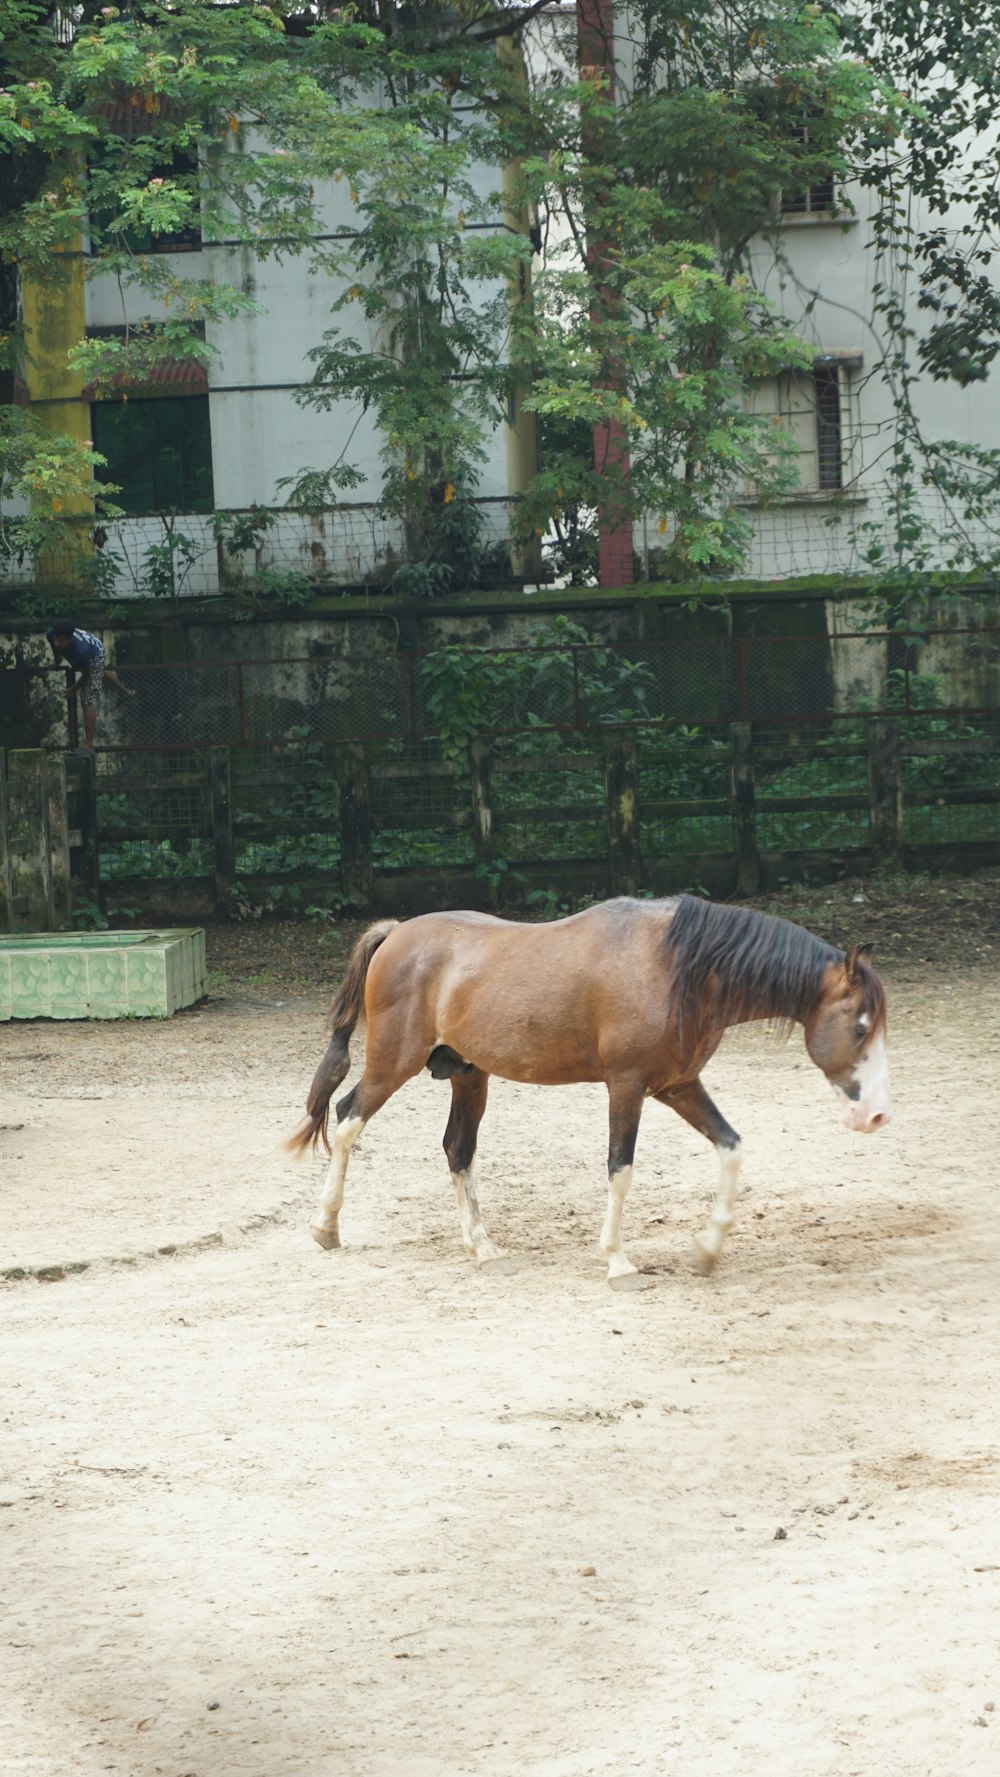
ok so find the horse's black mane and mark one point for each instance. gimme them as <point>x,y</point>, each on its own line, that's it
<point>732,965</point>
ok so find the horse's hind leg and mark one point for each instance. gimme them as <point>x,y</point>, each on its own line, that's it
<point>356,1109</point>
<point>693,1104</point>
<point>624,1110</point>
<point>326,1227</point>
<point>468,1102</point>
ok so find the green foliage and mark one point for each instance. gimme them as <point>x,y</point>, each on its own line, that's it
<point>549,903</point>
<point>326,911</point>
<point>166,565</point>
<point>562,680</point>
<point>273,586</point>
<point>504,882</point>
<point>89,916</point>
<point>448,553</point>
<point>944,59</point>
<point>640,332</point>
<point>644,323</point>
<point>44,475</point>
<point>146,859</point>
<point>461,689</point>
<point>673,394</point>
<point>936,224</point>
<point>437,329</point>
<point>242,904</point>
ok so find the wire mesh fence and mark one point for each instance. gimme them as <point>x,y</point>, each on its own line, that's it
<point>549,806</point>
<point>685,792</point>
<point>811,787</point>
<point>250,552</point>
<point>285,813</point>
<point>691,683</point>
<point>241,771</point>
<point>420,813</point>
<point>951,780</point>
<point>154,816</point>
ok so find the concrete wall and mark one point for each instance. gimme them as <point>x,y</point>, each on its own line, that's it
<point>340,672</point>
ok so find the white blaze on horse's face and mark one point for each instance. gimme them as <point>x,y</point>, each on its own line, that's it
<point>854,1060</point>
<point>869,1106</point>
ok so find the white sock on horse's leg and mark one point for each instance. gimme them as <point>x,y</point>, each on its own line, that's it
<point>326,1228</point>
<point>475,1239</point>
<point>619,1264</point>
<point>710,1243</point>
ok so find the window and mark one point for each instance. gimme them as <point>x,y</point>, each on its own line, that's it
<point>818,199</point>
<point>814,407</point>
<point>134,359</point>
<point>174,164</point>
<point>829,428</point>
<point>159,453</point>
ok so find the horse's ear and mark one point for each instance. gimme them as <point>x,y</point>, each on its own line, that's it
<point>857,953</point>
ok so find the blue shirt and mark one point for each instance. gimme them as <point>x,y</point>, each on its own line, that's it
<point>83,649</point>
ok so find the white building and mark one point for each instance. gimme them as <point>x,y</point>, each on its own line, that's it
<point>843,416</point>
<point>219,439</point>
<point>207,445</point>
<point>817,270</point>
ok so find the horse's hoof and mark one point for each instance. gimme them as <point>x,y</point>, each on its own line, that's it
<point>325,1237</point>
<point>704,1261</point>
<point>632,1280</point>
<point>500,1266</point>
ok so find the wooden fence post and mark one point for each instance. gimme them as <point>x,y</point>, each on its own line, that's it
<point>356,871</point>
<point>621,812</point>
<point>6,883</point>
<point>885,790</point>
<point>481,783</point>
<point>67,676</point>
<point>28,838</point>
<point>744,808</point>
<point>223,844</point>
<point>88,873</point>
<point>62,897</point>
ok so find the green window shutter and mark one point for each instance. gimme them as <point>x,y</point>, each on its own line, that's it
<point>159,453</point>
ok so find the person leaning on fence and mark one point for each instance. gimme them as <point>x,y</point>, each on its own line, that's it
<point>79,649</point>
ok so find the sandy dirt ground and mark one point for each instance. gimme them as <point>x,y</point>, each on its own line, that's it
<point>272,1512</point>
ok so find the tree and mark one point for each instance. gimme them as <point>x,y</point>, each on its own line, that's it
<point>646,321</point>
<point>662,203</point>
<point>230,116</point>
<point>936,222</point>
<point>638,325</point>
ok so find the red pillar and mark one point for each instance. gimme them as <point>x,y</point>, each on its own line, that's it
<point>595,49</point>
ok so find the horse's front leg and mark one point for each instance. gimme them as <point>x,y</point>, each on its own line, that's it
<point>469,1088</point>
<point>693,1104</point>
<point>625,1098</point>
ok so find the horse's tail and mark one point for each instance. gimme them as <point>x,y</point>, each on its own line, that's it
<point>348,1005</point>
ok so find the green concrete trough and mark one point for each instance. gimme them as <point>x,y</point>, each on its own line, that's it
<point>101,974</point>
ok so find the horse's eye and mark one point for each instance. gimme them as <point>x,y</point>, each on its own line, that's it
<point>860,1032</point>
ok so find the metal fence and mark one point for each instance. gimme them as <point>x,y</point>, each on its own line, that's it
<point>707,682</point>
<point>714,763</point>
<point>331,824</point>
<point>247,553</point>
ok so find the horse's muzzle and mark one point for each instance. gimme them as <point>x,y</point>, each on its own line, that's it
<point>866,1119</point>
<point>869,1106</point>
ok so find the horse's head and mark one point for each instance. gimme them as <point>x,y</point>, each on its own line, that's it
<point>845,1036</point>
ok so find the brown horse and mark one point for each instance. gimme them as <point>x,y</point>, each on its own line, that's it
<point>634,993</point>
